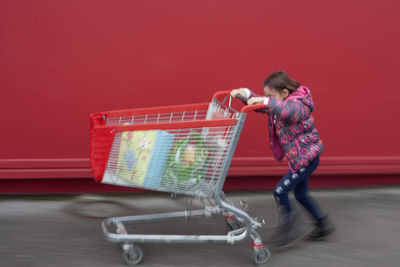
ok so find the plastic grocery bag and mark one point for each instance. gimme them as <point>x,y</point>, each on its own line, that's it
<point>187,164</point>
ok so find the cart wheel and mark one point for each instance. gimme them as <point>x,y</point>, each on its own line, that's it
<point>133,255</point>
<point>262,256</point>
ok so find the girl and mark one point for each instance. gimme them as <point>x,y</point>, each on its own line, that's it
<point>292,135</point>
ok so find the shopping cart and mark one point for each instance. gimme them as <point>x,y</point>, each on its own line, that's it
<point>215,127</point>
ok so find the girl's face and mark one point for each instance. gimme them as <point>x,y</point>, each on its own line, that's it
<point>275,93</point>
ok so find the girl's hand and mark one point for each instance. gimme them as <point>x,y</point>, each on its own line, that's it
<point>255,100</point>
<point>238,93</point>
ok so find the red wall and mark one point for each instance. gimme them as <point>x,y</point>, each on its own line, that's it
<point>61,60</point>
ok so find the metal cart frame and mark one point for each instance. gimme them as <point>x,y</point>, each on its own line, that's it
<point>240,224</point>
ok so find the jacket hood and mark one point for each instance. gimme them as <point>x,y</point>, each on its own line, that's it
<point>303,94</point>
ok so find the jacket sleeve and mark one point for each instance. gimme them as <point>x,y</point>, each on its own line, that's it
<point>250,94</point>
<point>291,111</point>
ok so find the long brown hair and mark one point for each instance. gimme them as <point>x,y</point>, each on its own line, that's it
<point>279,80</point>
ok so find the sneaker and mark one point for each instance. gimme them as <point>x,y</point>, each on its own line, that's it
<point>322,229</point>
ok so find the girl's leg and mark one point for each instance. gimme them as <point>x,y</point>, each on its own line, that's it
<point>286,184</point>
<point>323,226</point>
<point>301,193</point>
<point>284,235</point>
<point>281,195</point>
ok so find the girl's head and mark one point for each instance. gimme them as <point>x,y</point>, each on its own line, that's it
<point>279,85</point>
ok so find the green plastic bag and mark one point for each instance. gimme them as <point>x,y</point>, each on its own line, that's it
<point>187,164</point>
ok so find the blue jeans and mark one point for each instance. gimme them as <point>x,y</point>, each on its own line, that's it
<point>297,181</point>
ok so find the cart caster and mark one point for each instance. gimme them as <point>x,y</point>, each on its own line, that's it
<point>262,256</point>
<point>133,255</point>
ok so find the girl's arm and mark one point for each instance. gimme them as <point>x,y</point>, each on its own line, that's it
<point>244,94</point>
<point>260,99</point>
<point>291,111</point>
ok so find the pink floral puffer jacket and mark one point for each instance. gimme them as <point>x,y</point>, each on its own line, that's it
<point>291,128</point>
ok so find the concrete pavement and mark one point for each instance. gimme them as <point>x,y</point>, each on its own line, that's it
<point>47,231</point>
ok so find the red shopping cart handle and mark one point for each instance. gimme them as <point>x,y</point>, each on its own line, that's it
<point>221,94</point>
<point>248,108</point>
